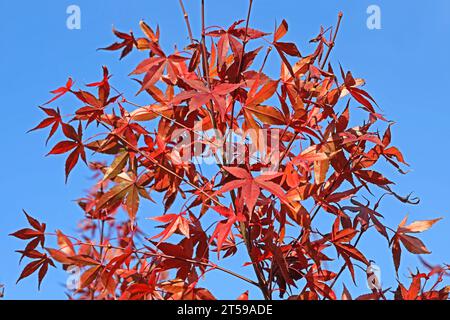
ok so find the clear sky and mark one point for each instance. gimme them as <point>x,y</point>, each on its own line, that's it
<point>406,66</point>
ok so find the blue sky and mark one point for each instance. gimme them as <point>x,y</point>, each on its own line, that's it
<point>405,65</point>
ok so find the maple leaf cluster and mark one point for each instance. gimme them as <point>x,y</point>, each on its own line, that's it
<point>326,162</point>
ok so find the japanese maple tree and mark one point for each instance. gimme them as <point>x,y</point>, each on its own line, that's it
<point>284,153</point>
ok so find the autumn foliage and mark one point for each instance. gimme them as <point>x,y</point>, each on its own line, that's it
<point>313,139</point>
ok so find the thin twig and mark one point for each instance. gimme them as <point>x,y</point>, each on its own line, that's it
<point>165,256</point>
<point>155,162</point>
<point>333,41</point>
<point>186,19</point>
<point>244,44</point>
<point>204,51</point>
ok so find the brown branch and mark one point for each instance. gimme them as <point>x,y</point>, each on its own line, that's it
<point>262,283</point>
<point>173,121</point>
<point>333,41</point>
<point>186,19</point>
